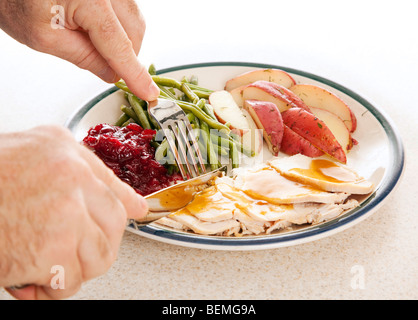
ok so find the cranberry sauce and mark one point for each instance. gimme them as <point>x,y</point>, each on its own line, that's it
<point>128,152</point>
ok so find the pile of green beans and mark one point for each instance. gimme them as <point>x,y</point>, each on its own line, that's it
<point>216,141</point>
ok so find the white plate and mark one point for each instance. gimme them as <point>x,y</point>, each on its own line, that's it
<point>379,156</point>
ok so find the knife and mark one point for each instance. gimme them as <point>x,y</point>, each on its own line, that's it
<point>175,197</point>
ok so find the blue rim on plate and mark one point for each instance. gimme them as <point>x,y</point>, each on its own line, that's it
<point>387,185</point>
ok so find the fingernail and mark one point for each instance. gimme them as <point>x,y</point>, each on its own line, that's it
<point>19,287</point>
<point>144,205</point>
<point>154,91</point>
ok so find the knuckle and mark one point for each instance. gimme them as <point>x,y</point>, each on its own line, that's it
<point>109,25</point>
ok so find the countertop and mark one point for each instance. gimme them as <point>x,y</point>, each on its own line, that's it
<point>370,47</point>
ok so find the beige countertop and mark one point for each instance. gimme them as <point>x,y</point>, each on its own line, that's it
<point>370,48</point>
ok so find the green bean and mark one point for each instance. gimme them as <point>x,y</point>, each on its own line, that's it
<point>190,116</point>
<point>189,93</point>
<point>203,116</point>
<point>170,170</point>
<point>154,143</point>
<point>166,92</point>
<point>122,119</point>
<point>130,113</point>
<point>243,149</point>
<point>202,94</point>
<point>161,153</point>
<point>199,88</point>
<point>122,85</point>
<point>233,154</point>
<point>127,122</point>
<point>193,80</point>
<point>219,139</point>
<point>167,82</point>
<point>151,70</point>
<point>208,109</point>
<point>173,92</point>
<point>138,105</point>
<point>221,151</point>
<point>212,156</point>
<point>201,103</point>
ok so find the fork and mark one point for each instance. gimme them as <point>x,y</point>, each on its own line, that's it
<point>173,121</point>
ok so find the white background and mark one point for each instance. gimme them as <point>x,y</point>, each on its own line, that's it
<point>368,46</point>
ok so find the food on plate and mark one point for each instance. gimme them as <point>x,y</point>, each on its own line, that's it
<point>252,139</point>
<point>129,153</point>
<point>315,131</point>
<point>269,185</point>
<point>323,174</point>
<point>318,97</point>
<point>272,75</point>
<point>293,143</point>
<point>263,91</point>
<point>194,100</point>
<point>289,95</point>
<point>276,196</point>
<point>227,111</point>
<point>309,124</point>
<point>337,127</point>
<point>268,118</point>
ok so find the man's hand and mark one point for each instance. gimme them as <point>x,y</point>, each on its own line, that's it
<point>102,36</point>
<point>59,206</point>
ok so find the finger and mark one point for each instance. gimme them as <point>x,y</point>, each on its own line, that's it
<point>135,205</point>
<point>109,215</point>
<point>70,284</point>
<point>26,293</point>
<point>76,47</point>
<point>132,21</point>
<point>112,42</point>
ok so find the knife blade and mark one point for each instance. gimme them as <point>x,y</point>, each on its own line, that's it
<point>175,197</point>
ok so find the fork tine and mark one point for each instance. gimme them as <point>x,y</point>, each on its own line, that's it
<point>195,147</point>
<point>183,155</point>
<point>171,142</point>
<point>185,138</point>
<point>173,120</point>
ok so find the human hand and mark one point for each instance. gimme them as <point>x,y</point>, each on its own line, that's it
<point>102,36</point>
<point>59,206</point>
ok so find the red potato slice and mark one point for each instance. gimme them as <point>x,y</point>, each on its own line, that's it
<point>267,117</point>
<point>321,98</point>
<point>227,111</point>
<point>297,102</point>
<point>315,131</point>
<point>272,75</point>
<point>263,91</point>
<point>292,144</point>
<point>337,127</point>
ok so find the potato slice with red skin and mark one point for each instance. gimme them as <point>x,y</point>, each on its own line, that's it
<point>315,131</point>
<point>321,98</point>
<point>273,75</point>
<point>267,117</point>
<point>263,91</point>
<point>293,143</point>
<point>297,102</point>
<point>337,127</point>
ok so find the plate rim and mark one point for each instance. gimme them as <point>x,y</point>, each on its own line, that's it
<point>372,204</point>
